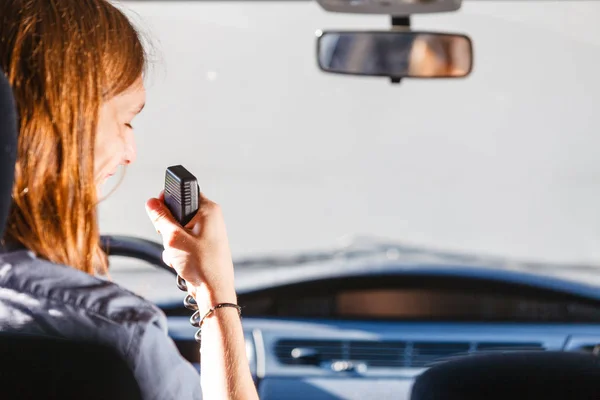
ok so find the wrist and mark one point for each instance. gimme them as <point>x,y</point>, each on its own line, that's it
<point>207,297</point>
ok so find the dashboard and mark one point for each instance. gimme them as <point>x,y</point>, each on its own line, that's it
<point>419,298</point>
<point>360,334</point>
<point>369,338</point>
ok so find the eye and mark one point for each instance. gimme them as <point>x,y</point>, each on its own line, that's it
<point>129,126</point>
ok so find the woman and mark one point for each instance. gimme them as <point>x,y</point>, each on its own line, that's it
<point>75,67</point>
<point>440,56</point>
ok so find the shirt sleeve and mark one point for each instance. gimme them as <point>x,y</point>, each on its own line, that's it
<point>162,373</point>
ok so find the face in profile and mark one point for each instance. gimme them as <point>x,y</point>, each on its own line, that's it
<point>115,142</point>
<point>440,56</point>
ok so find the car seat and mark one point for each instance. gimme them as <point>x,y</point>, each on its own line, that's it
<point>512,375</point>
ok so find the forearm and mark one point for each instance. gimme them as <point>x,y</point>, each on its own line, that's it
<point>225,372</point>
<point>201,256</point>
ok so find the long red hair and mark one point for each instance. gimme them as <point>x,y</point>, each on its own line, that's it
<point>63,59</point>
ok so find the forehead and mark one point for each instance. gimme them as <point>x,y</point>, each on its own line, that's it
<point>133,96</point>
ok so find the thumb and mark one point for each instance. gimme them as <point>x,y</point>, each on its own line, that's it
<point>161,217</point>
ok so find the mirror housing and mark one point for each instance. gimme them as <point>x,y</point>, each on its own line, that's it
<point>390,7</point>
<point>395,54</point>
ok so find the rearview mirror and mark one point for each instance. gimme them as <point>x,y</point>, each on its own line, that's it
<point>395,54</point>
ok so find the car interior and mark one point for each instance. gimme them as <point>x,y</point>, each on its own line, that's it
<point>371,319</point>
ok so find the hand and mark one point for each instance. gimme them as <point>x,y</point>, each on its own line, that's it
<point>199,252</point>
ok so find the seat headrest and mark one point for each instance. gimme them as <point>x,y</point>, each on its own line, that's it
<point>8,147</point>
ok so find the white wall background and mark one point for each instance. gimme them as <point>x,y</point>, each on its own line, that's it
<point>506,162</point>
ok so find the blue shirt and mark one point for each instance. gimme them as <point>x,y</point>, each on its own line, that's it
<point>39,297</point>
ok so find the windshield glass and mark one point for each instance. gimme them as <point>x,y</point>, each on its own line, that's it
<point>504,162</point>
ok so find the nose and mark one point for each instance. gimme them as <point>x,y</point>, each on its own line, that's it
<point>130,149</point>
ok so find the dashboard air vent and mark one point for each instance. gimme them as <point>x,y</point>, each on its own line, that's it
<point>378,354</point>
<point>387,354</point>
<point>425,353</point>
<point>485,347</point>
<point>299,352</point>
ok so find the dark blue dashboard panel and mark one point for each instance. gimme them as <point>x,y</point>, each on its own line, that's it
<point>322,381</point>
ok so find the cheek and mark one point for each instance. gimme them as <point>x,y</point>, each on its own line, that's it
<point>108,146</point>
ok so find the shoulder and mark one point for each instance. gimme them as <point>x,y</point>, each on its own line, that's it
<point>22,272</point>
<point>37,296</point>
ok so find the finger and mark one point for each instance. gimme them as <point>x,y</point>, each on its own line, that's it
<point>161,196</point>
<point>167,258</point>
<point>194,222</point>
<point>160,216</point>
<point>204,199</point>
<point>203,204</point>
<point>207,206</point>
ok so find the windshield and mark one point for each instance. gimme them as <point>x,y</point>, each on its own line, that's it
<point>505,162</point>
